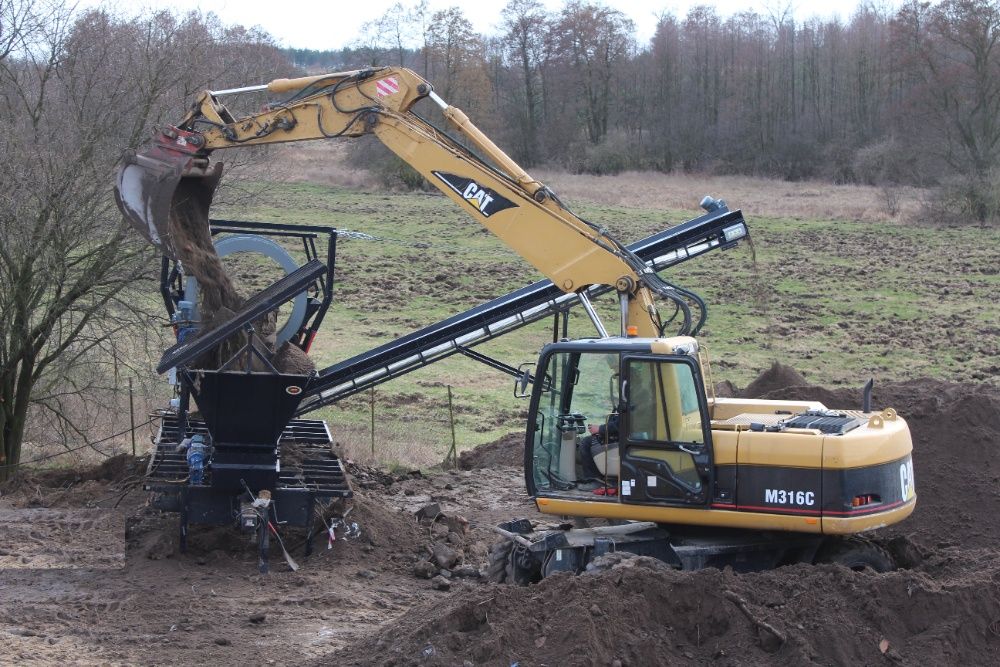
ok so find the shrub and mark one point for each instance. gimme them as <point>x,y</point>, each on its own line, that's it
<point>965,200</point>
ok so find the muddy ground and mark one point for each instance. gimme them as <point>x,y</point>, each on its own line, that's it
<point>90,575</point>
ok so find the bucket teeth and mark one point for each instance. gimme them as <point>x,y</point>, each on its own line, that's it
<point>152,184</point>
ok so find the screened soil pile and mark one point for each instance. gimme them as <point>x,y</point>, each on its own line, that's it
<point>389,540</point>
<point>640,612</point>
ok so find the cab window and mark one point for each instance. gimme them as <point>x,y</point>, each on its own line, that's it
<point>581,388</point>
<point>663,402</point>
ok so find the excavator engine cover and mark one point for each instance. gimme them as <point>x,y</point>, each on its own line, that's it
<point>165,180</point>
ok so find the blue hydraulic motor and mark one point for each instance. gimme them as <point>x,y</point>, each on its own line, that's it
<point>196,455</point>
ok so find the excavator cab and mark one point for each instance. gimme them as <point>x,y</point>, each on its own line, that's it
<point>622,420</point>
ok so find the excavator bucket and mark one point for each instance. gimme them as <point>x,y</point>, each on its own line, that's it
<point>153,185</point>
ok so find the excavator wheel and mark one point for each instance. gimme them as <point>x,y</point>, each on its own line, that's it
<point>513,564</point>
<point>857,554</point>
<point>496,569</point>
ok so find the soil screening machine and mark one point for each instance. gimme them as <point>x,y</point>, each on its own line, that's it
<point>623,426</point>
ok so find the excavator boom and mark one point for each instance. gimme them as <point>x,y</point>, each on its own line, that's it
<point>176,175</point>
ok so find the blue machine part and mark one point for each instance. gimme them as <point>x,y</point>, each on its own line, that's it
<point>196,454</point>
<point>184,318</point>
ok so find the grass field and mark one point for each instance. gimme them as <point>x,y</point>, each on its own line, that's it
<point>839,299</point>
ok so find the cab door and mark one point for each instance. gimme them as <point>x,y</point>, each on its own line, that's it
<point>666,439</point>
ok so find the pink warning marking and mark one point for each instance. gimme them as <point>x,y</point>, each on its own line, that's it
<point>387,86</point>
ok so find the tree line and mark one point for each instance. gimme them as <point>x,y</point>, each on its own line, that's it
<point>904,97</point>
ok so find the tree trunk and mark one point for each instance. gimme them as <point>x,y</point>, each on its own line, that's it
<point>16,398</point>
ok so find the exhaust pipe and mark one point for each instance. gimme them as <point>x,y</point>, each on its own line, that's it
<point>866,395</point>
<point>153,185</point>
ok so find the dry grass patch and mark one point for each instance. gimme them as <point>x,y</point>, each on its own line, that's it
<point>318,162</point>
<point>327,163</point>
<point>758,197</point>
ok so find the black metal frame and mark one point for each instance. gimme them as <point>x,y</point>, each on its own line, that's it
<point>246,448</point>
<point>172,284</point>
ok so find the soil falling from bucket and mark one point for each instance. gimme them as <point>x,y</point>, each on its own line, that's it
<point>192,240</point>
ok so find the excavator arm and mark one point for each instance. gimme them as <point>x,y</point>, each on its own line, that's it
<point>573,253</point>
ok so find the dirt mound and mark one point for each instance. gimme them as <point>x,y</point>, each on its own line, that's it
<point>776,378</point>
<point>956,443</point>
<point>945,609</point>
<point>88,486</point>
<point>388,539</point>
<point>291,359</point>
<point>388,529</point>
<point>640,612</point>
<point>507,451</point>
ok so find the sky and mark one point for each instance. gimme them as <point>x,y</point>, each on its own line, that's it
<point>335,24</point>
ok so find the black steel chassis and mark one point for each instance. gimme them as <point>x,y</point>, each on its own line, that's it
<point>298,493</point>
<point>302,490</point>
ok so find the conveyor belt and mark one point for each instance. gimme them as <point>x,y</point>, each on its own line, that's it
<point>507,313</point>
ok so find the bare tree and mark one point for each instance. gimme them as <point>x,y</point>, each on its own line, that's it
<point>75,90</point>
<point>595,40</point>
<point>953,51</point>
<point>389,34</point>
<point>455,50</point>
<point>524,25</point>
<point>420,20</point>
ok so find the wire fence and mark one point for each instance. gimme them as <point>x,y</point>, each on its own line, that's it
<point>428,427</point>
<point>109,409</point>
<point>399,429</point>
<point>91,444</point>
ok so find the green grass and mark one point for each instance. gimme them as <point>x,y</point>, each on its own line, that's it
<point>838,300</point>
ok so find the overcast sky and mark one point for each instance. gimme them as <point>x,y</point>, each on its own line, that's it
<point>333,24</point>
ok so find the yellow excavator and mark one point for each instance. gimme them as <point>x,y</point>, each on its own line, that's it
<point>622,427</point>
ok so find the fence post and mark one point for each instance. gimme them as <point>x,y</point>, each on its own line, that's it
<point>371,405</point>
<point>453,452</point>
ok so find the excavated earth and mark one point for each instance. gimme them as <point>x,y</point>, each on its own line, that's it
<point>90,575</point>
